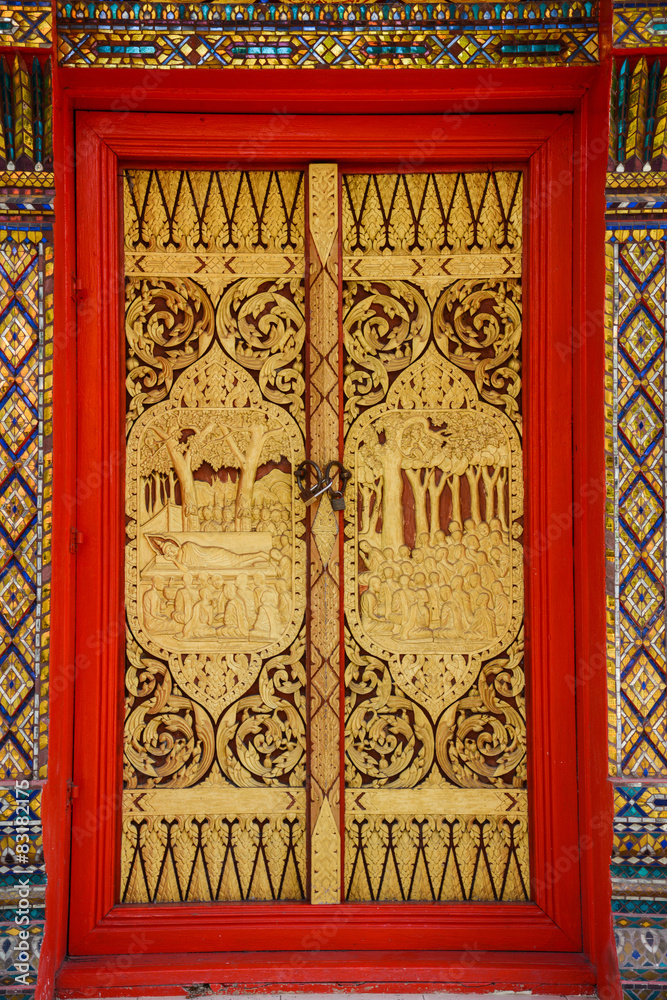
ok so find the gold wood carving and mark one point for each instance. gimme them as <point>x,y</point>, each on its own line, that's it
<point>231,844</point>
<point>438,594</point>
<point>232,717</point>
<point>224,266</point>
<point>215,557</point>
<point>458,846</point>
<point>200,211</point>
<point>225,550</point>
<point>325,873</point>
<point>434,270</point>
<point>432,215</point>
<point>478,326</point>
<point>262,325</point>
<point>433,559</point>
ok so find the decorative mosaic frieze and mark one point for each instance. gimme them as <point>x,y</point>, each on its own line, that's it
<point>26,117</point>
<point>168,35</point>
<point>636,991</point>
<point>26,269</point>
<point>26,22</point>
<point>639,25</point>
<point>642,948</point>
<point>636,317</point>
<point>17,952</point>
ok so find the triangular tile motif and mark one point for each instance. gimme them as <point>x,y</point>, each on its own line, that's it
<point>17,508</point>
<point>642,596</point>
<point>644,684</point>
<point>18,421</point>
<point>642,339</point>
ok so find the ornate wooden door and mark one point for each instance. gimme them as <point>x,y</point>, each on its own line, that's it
<point>324,706</point>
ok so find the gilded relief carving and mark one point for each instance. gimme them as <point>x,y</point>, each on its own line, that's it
<point>433,555</point>
<point>476,850</point>
<point>217,567</point>
<point>454,588</point>
<point>213,212</point>
<point>413,215</point>
<point>233,784</point>
<point>231,844</point>
<point>262,325</point>
<point>215,556</point>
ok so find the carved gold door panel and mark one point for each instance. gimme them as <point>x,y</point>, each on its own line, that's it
<point>435,801</point>
<point>273,316</point>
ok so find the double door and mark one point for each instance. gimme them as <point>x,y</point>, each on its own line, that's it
<point>323,705</point>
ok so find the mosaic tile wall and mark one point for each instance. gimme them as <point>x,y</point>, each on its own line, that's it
<point>636,378</point>
<point>26,277</point>
<point>26,321</point>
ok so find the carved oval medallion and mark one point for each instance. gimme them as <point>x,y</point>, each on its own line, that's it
<point>434,571</point>
<point>215,570</point>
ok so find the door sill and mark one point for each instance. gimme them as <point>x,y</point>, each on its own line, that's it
<point>222,973</point>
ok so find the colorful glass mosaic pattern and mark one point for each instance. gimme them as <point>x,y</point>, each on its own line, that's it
<point>26,22</point>
<point>638,121</point>
<point>25,310</point>
<point>16,869</point>
<point>168,35</point>
<point>638,684</point>
<point>26,115</point>
<point>639,879</point>
<point>639,25</point>
<point>26,277</point>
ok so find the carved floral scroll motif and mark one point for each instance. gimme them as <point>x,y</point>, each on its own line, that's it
<point>215,555</point>
<point>433,557</point>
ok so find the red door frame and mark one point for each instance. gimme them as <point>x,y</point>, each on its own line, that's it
<point>551,947</point>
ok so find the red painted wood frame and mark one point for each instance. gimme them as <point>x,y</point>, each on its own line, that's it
<point>560,942</point>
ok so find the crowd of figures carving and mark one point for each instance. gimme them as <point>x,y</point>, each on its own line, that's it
<point>453,589</point>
